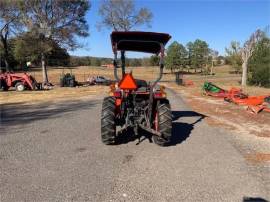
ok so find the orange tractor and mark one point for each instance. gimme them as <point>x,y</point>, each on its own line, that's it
<point>137,104</point>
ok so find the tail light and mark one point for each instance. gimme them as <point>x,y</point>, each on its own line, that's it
<point>114,91</point>
<point>117,94</point>
<point>160,93</point>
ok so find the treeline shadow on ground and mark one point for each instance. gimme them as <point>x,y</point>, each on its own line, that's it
<point>24,113</point>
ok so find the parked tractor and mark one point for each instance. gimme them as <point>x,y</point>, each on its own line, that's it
<point>21,81</point>
<point>137,104</point>
<point>68,80</point>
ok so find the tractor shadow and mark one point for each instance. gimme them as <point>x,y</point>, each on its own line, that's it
<point>180,130</point>
<point>127,136</point>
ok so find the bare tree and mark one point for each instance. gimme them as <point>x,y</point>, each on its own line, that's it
<point>9,24</point>
<point>55,20</point>
<point>121,15</point>
<point>246,52</point>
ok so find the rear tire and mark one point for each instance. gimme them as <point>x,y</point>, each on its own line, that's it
<point>108,126</point>
<point>164,116</point>
<point>19,87</point>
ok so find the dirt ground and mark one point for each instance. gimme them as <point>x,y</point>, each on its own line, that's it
<point>229,115</point>
<point>56,94</point>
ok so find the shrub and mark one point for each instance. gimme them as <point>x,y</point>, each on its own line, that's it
<point>259,64</point>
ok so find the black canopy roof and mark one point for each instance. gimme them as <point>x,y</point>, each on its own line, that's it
<point>148,42</point>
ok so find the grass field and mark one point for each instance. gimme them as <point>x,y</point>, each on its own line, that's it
<point>224,79</point>
<point>81,73</point>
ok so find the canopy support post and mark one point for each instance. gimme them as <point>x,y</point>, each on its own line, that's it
<point>123,63</point>
<point>161,66</point>
<point>115,63</point>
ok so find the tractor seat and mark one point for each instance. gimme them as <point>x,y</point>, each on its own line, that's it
<point>142,85</point>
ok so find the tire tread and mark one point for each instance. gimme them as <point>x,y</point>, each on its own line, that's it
<point>165,123</point>
<point>108,128</point>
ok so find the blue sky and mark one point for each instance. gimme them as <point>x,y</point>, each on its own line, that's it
<point>217,22</point>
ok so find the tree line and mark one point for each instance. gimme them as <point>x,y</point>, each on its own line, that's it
<point>22,49</point>
<point>195,55</point>
<point>99,61</point>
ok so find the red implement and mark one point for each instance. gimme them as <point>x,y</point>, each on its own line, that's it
<point>255,104</point>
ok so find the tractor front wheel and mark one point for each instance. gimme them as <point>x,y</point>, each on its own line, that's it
<point>108,126</point>
<point>19,87</point>
<point>163,123</point>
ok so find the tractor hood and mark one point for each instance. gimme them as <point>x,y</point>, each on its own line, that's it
<point>148,42</point>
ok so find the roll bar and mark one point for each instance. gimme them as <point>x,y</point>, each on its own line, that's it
<point>161,63</point>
